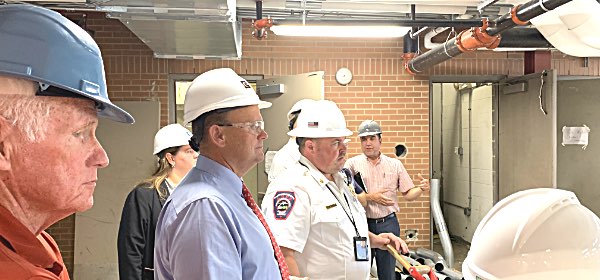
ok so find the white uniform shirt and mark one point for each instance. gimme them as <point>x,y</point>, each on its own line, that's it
<point>287,156</point>
<point>306,217</point>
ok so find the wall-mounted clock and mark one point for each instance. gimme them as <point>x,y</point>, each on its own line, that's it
<point>343,76</point>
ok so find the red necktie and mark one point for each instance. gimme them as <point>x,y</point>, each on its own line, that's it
<point>283,268</point>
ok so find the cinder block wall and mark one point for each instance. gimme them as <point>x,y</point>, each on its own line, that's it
<point>380,90</point>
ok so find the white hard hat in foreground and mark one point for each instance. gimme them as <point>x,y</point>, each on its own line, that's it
<point>536,234</point>
<point>173,135</point>
<point>217,89</point>
<point>321,119</point>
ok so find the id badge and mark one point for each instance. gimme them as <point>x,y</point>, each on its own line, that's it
<point>361,249</point>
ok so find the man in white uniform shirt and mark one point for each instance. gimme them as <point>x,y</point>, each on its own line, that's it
<point>288,155</point>
<point>313,211</point>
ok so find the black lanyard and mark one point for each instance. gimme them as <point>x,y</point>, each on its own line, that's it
<point>350,216</point>
<point>336,198</point>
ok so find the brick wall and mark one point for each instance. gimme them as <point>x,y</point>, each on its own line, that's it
<point>64,234</point>
<point>380,90</point>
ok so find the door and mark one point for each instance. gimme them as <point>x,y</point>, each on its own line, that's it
<point>578,101</point>
<point>129,148</point>
<point>296,87</point>
<point>527,133</point>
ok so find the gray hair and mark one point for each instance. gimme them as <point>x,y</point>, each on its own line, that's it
<point>27,113</point>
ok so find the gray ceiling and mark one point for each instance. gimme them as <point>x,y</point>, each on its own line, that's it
<point>211,28</point>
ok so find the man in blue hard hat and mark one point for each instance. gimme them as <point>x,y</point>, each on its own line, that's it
<point>52,91</point>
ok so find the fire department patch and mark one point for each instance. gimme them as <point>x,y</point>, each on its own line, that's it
<point>283,202</point>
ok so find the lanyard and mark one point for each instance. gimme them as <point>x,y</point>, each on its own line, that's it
<point>350,216</point>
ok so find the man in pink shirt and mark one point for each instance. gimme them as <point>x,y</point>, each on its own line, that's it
<point>383,177</point>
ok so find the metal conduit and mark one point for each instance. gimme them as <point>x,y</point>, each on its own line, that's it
<point>486,36</point>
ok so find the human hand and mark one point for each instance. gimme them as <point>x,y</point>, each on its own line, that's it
<point>423,183</point>
<point>379,198</point>
<point>395,241</point>
<point>383,239</point>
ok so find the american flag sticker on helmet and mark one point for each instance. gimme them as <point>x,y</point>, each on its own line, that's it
<point>313,124</point>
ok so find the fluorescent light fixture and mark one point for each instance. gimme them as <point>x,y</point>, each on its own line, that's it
<point>344,31</point>
<point>514,49</point>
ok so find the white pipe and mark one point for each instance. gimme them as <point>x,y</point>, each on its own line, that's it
<point>453,274</point>
<point>429,36</point>
<point>440,224</point>
<point>439,262</point>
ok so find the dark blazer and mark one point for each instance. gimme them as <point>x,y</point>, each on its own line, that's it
<point>135,242</point>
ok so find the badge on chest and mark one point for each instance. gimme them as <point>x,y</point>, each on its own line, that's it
<point>283,202</point>
<point>361,249</point>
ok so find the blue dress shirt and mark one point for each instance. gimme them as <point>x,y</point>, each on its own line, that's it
<point>207,231</point>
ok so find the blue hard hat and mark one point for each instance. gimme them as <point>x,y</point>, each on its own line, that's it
<point>41,45</point>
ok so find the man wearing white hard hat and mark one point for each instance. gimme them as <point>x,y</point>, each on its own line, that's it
<point>288,155</point>
<point>541,233</point>
<point>210,228</point>
<point>312,209</point>
<point>382,177</point>
<point>135,241</point>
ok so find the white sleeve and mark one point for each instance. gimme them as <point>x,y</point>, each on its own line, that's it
<point>287,211</point>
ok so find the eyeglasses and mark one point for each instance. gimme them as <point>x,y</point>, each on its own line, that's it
<point>256,127</point>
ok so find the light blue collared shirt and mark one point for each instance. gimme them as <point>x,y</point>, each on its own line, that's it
<point>207,231</point>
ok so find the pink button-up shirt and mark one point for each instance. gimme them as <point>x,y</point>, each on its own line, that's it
<point>387,173</point>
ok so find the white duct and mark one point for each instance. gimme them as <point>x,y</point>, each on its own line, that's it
<point>429,36</point>
<point>440,224</point>
<point>572,28</point>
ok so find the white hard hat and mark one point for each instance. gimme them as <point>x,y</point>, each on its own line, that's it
<point>301,104</point>
<point>536,234</point>
<point>368,127</point>
<point>173,135</point>
<point>216,89</point>
<point>321,119</point>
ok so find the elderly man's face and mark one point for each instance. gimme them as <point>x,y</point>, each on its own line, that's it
<point>58,174</point>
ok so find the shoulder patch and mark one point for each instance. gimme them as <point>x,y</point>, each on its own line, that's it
<point>283,202</point>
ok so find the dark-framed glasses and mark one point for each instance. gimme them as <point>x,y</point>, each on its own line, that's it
<point>255,127</point>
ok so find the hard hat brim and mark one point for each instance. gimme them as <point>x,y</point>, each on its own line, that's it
<point>188,117</point>
<point>368,133</point>
<point>314,133</point>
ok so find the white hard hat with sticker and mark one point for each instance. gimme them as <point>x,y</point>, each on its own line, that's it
<point>321,119</point>
<point>217,89</point>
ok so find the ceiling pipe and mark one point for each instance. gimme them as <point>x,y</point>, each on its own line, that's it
<point>511,38</point>
<point>486,36</point>
<point>410,46</point>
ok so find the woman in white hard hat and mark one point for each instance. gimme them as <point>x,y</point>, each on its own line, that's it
<point>143,204</point>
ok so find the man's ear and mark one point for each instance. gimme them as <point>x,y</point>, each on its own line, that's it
<point>310,145</point>
<point>5,144</point>
<point>216,135</point>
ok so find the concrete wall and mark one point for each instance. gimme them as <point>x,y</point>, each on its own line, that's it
<point>473,135</point>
